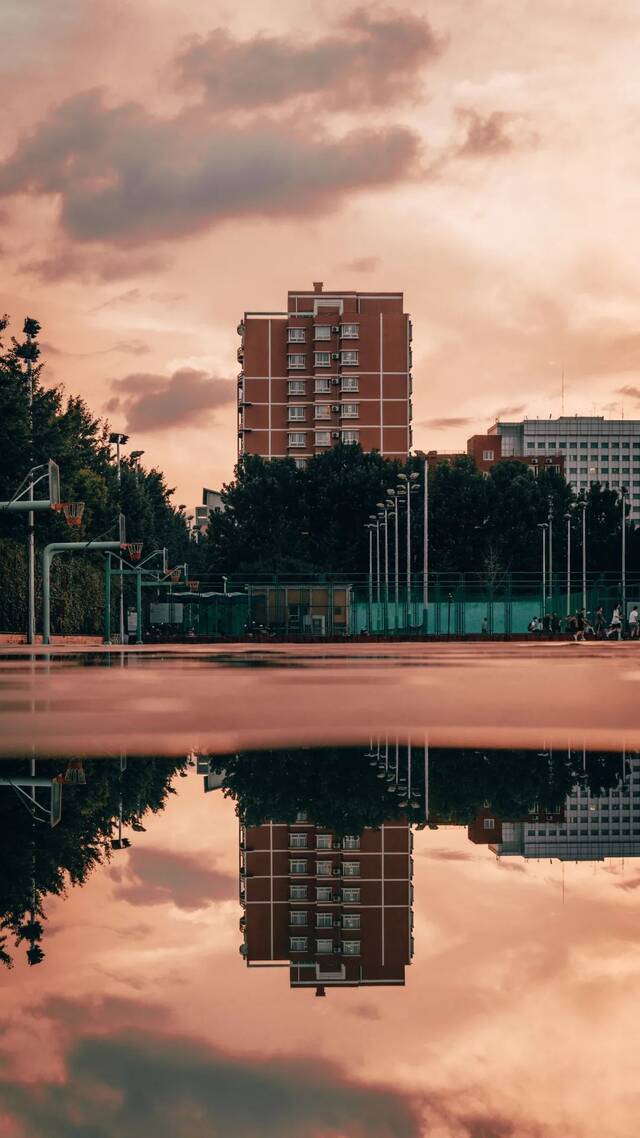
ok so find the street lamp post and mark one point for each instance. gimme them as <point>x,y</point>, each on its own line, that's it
<point>425,536</point>
<point>543,526</point>
<point>369,528</point>
<point>584,556</point>
<point>382,519</point>
<point>396,509</point>
<point>407,486</point>
<point>568,521</point>
<point>550,523</point>
<point>623,495</point>
<point>117,438</point>
<point>374,518</point>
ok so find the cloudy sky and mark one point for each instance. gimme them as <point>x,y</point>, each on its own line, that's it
<point>518,1019</point>
<point>164,167</point>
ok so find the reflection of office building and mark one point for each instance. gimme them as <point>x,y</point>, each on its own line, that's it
<point>594,826</point>
<point>338,913</point>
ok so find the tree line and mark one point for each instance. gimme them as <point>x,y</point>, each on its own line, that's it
<point>62,427</point>
<point>278,518</point>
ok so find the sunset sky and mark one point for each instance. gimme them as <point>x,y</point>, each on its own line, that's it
<point>164,167</point>
<point>518,1019</point>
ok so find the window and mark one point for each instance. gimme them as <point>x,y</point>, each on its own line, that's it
<point>324,841</point>
<point>323,868</point>
<point>322,411</point>
<point>351,947</point>
<point>297,867</point>
<point>626,446</point>
<point>297,944</point>
<point>350,436</point>
<point>583,446</point>
<point>324,920</point>
<point>350,843</point>
<point>298,917</point>
<point>351,921</point>
<point>302,816</point>
<point>489,824</point>
<point>297,892</point>
<point>487,456</point>
<point>323,438</point>
<point>351,896</point>
<point>297,439</point>
<point>296,335</point>
<point>351,868</point>
<point>349,383</point>
<point>563,446</point>
<point>540,446</point>
<point>349,358</point>
<point>350,410</point>
<point>323,383</point>
<point>298,841</point>
<point>300,463</point>
<point>296,387</point>
<point>594,446</point>
<point>296,361</point>
<point>324,946</point>
<point>349,331</point>
<point>322,359</point>
<point>297,412</point>
<point>322,331</point>
<point>324,893</point>
<point>530,446</point>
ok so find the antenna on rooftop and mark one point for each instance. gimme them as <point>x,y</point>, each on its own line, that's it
<point>562,400</point>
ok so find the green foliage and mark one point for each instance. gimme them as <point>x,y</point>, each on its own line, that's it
<point>65,430</point>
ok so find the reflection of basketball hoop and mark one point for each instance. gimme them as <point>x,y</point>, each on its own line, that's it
<point>75,772</point>
<point>175,575</point>
<point>134,549</point>
<point>194,586</point>
<point>72,511</point>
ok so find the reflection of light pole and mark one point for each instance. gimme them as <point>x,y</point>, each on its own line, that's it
<point>117,438</point>
<point>543,526</point>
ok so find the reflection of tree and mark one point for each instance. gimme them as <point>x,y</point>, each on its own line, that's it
<point>37,860</point>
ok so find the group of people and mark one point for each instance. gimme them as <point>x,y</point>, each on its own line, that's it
<point>579,625</point>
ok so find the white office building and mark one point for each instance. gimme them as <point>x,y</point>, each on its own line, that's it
<point>595,826</point>
<point>595,449</point>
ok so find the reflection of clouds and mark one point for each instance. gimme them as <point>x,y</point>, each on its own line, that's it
<point>158,877</point>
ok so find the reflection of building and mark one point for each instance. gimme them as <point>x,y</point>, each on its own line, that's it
<point>338,913</point>
<point>594,826</point>
<point>336,366</point>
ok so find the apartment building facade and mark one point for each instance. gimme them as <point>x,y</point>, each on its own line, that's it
<point>335,912</point>
<point>487,450</point>
<point>595,449</point>
<point>335,367</point>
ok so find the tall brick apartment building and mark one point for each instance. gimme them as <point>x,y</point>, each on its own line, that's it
<point>336,366</point>
<point>336,913</point>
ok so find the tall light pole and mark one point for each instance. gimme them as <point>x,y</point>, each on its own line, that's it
<point>407,485</point>
<point>623,495</point>
<point>425,533</point>
<point>568,521</point>
<point>374,518</point>
<point>543,527</point>
<point>382,517</point>
<point>369,527</point>
<point>583,506</point>
<point>550,523</point>
<point>396,510</point>
<point>117,438</point>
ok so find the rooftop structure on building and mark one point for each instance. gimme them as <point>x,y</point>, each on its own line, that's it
<point>335,367</point>
<point>595,449</point>
<point>211,500</point>
<point>335,912</point>
<point>487,450</point>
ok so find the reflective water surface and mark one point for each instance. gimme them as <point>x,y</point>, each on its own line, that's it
<point>392,937</point>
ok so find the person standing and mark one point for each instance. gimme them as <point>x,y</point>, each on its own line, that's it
<point>615,628</point>
<point>634,627</point>
<point>599,623</point>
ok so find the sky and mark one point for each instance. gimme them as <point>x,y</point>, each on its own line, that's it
<point>517,1020</point>
<point>164,168</point>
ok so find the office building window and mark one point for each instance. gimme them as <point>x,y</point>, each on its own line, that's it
<point>297,439</point>
<point>349,358</point>
<point>322,411</point>
<point>297,412</point>
<point>296,387</point>
<point>350,383</point>
<point>296,335</point>
<point>323,438</point>
<point>350,331</point>
<point>350,410</point>
<point>322,332</point>
<point>489,824</point>
<point>296,361</point>
<point>322,359</point>
<point>487,456</point>
<point>322,384</point>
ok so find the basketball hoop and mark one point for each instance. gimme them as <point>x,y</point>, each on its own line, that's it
<point>72,511</point>
<point>193,586</point>
<point>134,549</point>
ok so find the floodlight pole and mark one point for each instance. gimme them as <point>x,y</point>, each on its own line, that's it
<point>48,554</point>
<point>31,525</point>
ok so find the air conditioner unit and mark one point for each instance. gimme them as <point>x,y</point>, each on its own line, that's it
<point>336,897</point>
<point>335,435</point>
<point>337,922</point>
<point>335,328</point>
<point>337,845</point>
<point>336,381</point>
<point>335,407</point>
<point>335,355</point>
<point>336,871</point>
<point>339,946</point>
<point>534,462</point>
